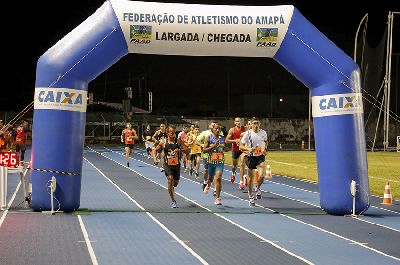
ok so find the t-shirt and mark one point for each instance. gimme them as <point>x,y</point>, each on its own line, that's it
<point>253,139</point>
<point>147,135</point>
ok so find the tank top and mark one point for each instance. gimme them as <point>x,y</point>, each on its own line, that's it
<point>172,158</point>
<point>236,135</point>
<point>161,135</point>
<point>216,155</point>
<point>128,136</point>
<point>21,135</point>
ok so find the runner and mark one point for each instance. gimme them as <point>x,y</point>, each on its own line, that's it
<point>159,137</point>
<point>147,138</point>
<point>233,137</point>
<point>20,140</point>
<point>214,144</point>
<point>3,144</point>
<point>195,151</point>
<point>200,141</point>
<point>171,149</point>
<point>128,137</point>
<point>255,142</point>
<point>182,136</point>
<point>242,164</point>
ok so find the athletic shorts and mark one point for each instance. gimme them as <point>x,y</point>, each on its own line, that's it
<point>193,157</point>
<point>236,154</point>
<point>174,171</point>
<point>253,161</point>
<point>130,146</point>
<point>213,168</point>
<point>148,144</point>
<point>21,147</point>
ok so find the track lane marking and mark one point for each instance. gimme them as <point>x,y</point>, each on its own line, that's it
<point>181,242</point>
<point>207,209</point>
<point>294,219</point>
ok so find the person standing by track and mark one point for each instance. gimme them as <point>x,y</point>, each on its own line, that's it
<point>128,137</point>
<point>20,139</point>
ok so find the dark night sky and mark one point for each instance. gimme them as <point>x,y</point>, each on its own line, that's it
<point>29,31</point>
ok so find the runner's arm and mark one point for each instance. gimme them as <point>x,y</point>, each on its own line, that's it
<point>122,136</point>
<point>228,139</point>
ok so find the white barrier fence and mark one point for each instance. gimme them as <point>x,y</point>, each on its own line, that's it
<point>4,171</point>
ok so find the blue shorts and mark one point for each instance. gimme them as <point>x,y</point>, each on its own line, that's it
<point>213,168</point>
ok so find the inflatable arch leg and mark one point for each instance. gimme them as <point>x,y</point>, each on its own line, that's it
<point>64,71</point>
<point>334,81</point>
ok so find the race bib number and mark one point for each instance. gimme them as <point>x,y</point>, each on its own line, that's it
<point>258,151</point>
<point>173,161</point>
<point>217,156</point>
<point>196,149</point>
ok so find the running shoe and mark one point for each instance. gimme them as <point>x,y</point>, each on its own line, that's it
<point>174,205</point>
<point>204,185</point>
<point>218,201</point>
<point>251,202</point>
<point>197,175</point>
<point>214,193</point>
<point>161,170</point>
<point>185,169</point>
<point>206,188</point>
<point>233,178</point>
<point>258,194</point>
<point>241,186</point>
<point>127,164</point>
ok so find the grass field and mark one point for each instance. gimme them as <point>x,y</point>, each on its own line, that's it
<point>382,167</point>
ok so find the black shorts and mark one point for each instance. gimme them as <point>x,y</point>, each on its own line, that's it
<point>130,146</point>
<point>193,157</point>
<point>21,147</point>
<point>253,161</point>
<point>174,171</point>
<point>236,154</point>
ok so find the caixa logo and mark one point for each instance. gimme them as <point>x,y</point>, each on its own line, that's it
<point>61,99</point>
<point>338,104</point>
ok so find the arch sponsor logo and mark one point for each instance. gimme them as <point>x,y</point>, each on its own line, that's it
<point>140,34</point>
<point>267,37</point>
<point>338,104</point>
<point>60,99</point>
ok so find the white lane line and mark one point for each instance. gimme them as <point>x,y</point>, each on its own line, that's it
<point>181,242</point>
<point>3,216</point>
<point>241,227</point>
<point>88,242</point>
<point>311,225</point>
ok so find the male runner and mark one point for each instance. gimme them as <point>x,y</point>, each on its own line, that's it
<point>255,142</point>
<point>182,136</point>
<point>159,137</point>
<point>214,144</point>
<point>171,149</point>
<point>195,151</point>
<point>200,141</point>
<point>233,137</point>
<point>128,137</point>
<point>147,138</point>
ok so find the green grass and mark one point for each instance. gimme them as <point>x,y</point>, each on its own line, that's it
<point>382,167</point>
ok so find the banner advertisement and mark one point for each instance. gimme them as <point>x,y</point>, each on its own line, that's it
<point>202,30</point>
<point>338,104</point>
<point>60,99</point>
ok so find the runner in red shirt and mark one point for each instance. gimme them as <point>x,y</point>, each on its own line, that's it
<point>20,139</point>
<point>233,137</point>
<point>128,137</point>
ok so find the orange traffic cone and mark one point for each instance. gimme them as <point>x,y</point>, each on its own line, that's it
<point>268,173</point>
<point>387,195</point>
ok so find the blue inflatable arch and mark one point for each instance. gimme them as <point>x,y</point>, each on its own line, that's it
<point>120,27</point>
